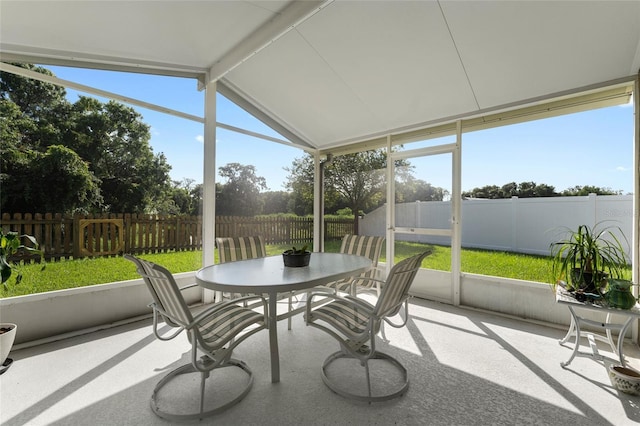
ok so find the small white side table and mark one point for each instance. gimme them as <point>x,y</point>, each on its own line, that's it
<point>566,298</point>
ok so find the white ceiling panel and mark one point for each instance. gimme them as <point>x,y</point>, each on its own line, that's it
<point>400,61</point>
<point>190,34</point>
<point>332,73</point>
<point>531,49</point>
<point>288,88</point>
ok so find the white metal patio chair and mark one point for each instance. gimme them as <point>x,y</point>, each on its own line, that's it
<point>214,333</point>
<point>231,249</point>
<point>361,245</point>
<point>355,322</point>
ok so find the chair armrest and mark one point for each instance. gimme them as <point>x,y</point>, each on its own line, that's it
<point>375,284</point>
<point>394,307</point>
<point>325,292</point>
<point>329,294</point>
<point>375,280</point>
<point>221,305</point>
<point>360,302</point>
<point>188,286</point>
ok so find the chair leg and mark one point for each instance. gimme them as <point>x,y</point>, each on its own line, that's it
<point>189,368</point>
<point>342,390</point>
<point>366,370</point>
<point>203,377</point>
<point>290,305</point>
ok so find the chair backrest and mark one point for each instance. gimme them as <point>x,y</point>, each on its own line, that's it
<point>396,287</point>
<point>164,290</point>
<point>362,245</point>
<point>239,248</point>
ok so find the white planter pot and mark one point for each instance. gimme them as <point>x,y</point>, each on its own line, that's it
<point>6,340</point>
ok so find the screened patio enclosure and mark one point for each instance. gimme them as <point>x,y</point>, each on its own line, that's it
<point>335,77</point>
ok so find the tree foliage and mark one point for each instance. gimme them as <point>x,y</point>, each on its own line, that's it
<point>412,189</point>
<point>356,183</point>
<point>300,185</point>
<point>275,202</point>
<point>359,179</point>
<point>95,153</point>
<point>512,189</point>
<point>239,195</point>
<point>589,189</point>
<point>532,189</point>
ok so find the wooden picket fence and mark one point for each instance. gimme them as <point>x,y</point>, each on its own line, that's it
<point>78,236</point>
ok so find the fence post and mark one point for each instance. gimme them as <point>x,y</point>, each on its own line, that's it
<point>76,239</point>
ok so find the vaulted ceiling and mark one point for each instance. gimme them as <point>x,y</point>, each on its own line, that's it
<point>328,74</point>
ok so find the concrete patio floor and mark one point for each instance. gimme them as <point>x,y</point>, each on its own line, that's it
<point>466,368</point>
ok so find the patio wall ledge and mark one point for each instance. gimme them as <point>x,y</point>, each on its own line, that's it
<point>58,314</point>
<point>524,300</point>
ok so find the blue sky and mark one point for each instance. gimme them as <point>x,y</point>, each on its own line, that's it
<point>589,148</point>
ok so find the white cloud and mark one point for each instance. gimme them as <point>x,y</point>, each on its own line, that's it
<point>621,169</point>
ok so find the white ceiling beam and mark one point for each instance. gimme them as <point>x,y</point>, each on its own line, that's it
<point>287,19</point>
<point>32,55</point>
<point>252,107</point>
<point>131,101</point>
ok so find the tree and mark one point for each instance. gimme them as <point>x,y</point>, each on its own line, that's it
<point>360,179</point>
<point>531,189</point>
<point>275,202</point>
<point>43,104</point>
<point>512,189</point>
<point>239,195</point>
<point>589,189</point>
<point>300,185</point>
<point>418,190</point>
<point>182,198</point>
<point>115,142</point>
<point>356,179</point>
<point>37,174</point>
<point>110,138</point>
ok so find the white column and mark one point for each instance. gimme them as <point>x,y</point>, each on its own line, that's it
<point>456,207</point>
<point>635,255</point>
<point>209,183</point>
<point>318,205</point>
<point>390,209</point>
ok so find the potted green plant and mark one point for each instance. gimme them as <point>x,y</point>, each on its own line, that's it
<point>587,257</point>
<point>10,246</point>
<point>296,257</point>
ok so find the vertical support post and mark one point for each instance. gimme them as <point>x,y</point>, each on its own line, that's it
<point>209,183</point>
<point>391,208</point>
<point>514,222</point>
<point>318,204</point>
<point>456,207</point>
<point>635,255</point>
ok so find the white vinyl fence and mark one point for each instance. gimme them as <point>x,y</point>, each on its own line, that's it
<point>525,225</point>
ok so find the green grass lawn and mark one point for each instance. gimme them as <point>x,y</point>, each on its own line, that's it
<point>86,272</point>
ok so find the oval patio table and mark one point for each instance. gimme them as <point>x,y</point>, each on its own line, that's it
<point>269,275</point>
